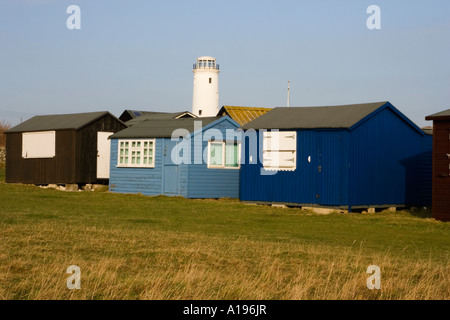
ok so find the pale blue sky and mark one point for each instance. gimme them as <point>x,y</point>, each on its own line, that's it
<point>138,54</point>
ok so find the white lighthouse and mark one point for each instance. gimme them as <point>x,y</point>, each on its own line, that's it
<point>205,101</point>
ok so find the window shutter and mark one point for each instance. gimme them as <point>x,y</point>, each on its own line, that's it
<point>39,144</point>
<point>280,150</point>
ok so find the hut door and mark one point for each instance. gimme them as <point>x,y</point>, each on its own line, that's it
<point>103,154</point>
<point>170,183</point>
<point>329,168</point>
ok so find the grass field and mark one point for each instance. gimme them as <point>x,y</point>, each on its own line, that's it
<point>137,247</point>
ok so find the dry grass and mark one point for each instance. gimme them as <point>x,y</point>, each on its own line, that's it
<point>169,265</point>
<point>136,247</point>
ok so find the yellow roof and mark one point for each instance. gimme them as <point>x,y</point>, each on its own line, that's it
<point>243,115</point>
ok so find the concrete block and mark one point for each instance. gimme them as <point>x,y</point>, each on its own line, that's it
<point>324,210</point>
<point>72,187</point>
<point>279,205</point>
<point>87,187</point>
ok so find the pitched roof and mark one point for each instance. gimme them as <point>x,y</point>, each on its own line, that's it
<point>344,116</point>
<point>161,116</point>
<point>443,115</point>
<point>243,115</point>
<point>73,121</point>
<point>161,128</point>
<point>130,115</point>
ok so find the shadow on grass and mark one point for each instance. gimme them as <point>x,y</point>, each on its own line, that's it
<point>420,213</point>
<point>423,213</point>
<point>414,212</point>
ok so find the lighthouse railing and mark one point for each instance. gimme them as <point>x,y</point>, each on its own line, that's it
<point>206,66</point>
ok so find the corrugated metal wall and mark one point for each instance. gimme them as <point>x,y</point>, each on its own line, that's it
<point>382,162</point>
<point>332,174</point>
<point>385,162</point>
<point>320,177</point>
<point>425,172</point>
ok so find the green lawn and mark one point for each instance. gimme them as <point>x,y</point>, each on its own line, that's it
<point>138,247</point>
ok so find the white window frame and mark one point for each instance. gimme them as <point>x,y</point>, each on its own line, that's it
<point>135,149</point>
<point>223,165</point>
<point>277,150</point>
<point>39,145</point>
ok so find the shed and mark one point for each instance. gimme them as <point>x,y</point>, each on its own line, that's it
<point>61,149</point>
<point>204,164</point>
<point>242,115</point>
<point>351,156</point>
<point>441,165</point>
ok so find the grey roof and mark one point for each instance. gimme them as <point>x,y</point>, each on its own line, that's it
<point>332,117</point>
<point>130,114</point>
<point>156,116</point>
<point>138,113</point>
<point>162,128</point>
<point>74,121</point>
<point>442,114</point>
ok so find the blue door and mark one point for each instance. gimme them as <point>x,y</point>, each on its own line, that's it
<point>170,178</point>
<point>329,171</point>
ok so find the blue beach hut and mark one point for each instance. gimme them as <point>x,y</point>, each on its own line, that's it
<point>352,156</point>
<point>203,162</point>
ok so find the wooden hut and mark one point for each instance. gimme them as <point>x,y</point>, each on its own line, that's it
<point>145,158</point>
<point>441,165</point>
<point>345,157</point>
<point>61,149</point>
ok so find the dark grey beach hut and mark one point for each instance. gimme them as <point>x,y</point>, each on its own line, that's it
<point>61,149</point>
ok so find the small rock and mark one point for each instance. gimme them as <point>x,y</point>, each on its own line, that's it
<point>72,187</point>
